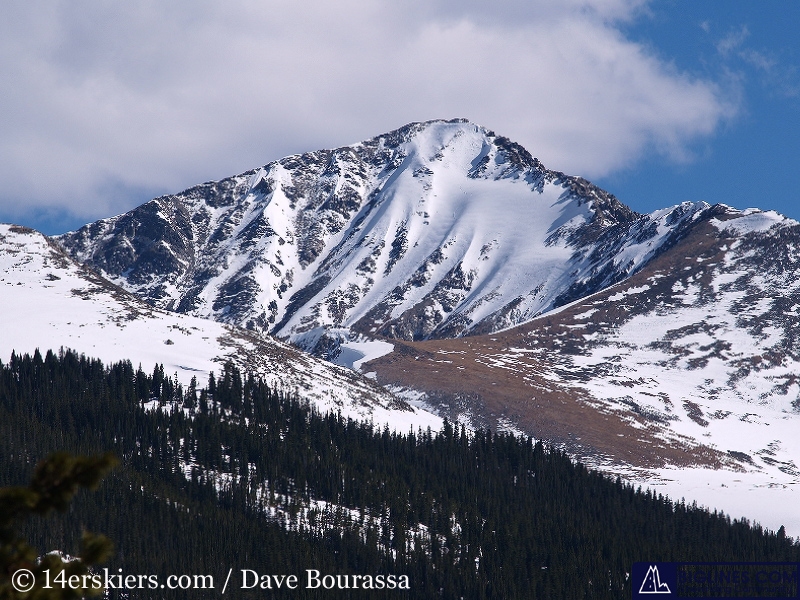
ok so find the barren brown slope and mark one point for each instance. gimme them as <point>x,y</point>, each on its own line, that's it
<point>524,377</point>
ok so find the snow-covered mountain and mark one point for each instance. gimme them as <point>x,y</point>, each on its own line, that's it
<point>434,230</point>
<point>685,376</point>
<point>661,347</point>
<point>48,301</point>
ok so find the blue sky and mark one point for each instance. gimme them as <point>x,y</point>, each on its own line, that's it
<point>108,105</point>
<point>753,159</point>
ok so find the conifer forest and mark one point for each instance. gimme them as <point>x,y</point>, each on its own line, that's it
<point>230,473</point>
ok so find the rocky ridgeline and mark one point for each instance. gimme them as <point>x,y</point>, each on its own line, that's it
<point>435,230</point>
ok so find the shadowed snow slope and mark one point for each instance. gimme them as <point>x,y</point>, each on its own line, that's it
<point>48,301</point>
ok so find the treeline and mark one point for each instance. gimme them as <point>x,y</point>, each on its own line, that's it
<point>238,474</point>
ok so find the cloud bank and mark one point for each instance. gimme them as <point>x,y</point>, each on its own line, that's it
<point>105,104</point>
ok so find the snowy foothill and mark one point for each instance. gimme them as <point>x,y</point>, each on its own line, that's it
<point>49,302</point>
<point>711,363</point>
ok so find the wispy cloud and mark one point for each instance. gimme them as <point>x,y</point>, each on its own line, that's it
<point>733,41</point>
<point>761,65</point>
<point>103,102</point>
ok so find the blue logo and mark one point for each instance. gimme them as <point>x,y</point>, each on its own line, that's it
<point>654,581</point>
<point>661,580</point>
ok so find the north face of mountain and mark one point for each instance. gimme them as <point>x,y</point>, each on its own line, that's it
<point>435,230</point>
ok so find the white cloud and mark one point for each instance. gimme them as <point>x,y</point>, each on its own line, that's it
<point>104,101</point>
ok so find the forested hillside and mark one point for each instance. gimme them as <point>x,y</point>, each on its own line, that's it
<point>239,475</point>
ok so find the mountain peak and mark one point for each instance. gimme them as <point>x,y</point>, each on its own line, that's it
<point>436,229</point>
<point>456,141</point>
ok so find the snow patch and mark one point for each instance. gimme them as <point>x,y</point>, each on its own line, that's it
<point>354,353</point>
<point>753,221</point>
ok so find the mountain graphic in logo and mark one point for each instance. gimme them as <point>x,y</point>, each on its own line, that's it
<point>652,583</point>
